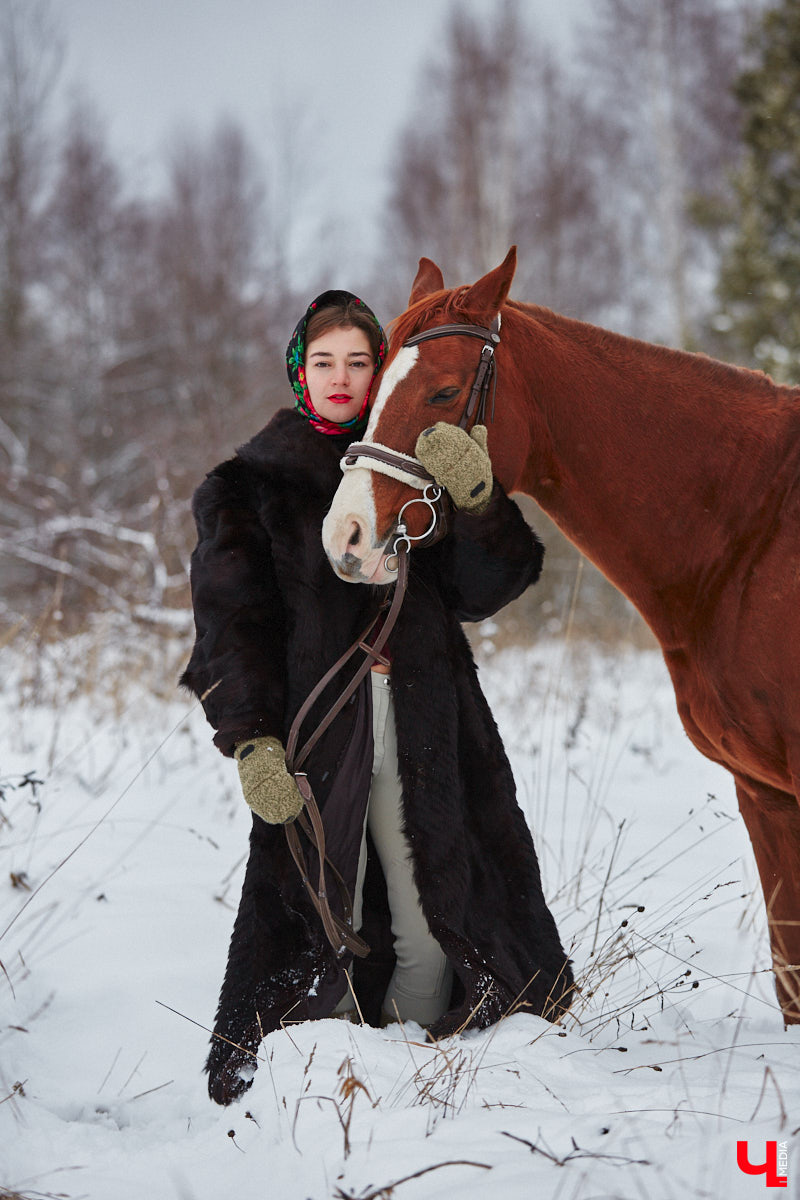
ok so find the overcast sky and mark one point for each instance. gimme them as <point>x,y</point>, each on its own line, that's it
<point>340,74</point>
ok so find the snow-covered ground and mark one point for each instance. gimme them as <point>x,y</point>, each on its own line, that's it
<point>119,877</point>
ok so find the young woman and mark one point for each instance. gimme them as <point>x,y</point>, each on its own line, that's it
<point>417,797</point>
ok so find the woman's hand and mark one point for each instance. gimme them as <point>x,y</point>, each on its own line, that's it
<point>269,789</point>
<point>459,462</point>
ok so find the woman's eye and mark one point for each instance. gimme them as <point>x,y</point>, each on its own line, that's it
<point>444,396</point>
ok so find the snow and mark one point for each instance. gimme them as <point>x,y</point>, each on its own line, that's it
<point>132,849</point>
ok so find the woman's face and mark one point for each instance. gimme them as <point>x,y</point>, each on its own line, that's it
<point>339,369</point>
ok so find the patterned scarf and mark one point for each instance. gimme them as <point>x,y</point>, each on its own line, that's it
<point>295,366</point>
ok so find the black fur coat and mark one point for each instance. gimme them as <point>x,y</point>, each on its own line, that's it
<point>271,617</point>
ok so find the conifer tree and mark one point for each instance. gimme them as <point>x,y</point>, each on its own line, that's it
<point>759,285</point>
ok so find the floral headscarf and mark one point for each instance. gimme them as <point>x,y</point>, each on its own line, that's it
<point>295,365</point>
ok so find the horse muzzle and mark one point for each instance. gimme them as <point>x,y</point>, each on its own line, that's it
<point>370,569</point>
<point>349,530</point>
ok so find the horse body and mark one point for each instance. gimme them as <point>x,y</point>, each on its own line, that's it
<point>679,477</point>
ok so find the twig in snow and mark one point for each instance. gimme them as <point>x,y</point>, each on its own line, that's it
<point>576,1152</point>
<point>150,1091</point>
<point>18,1089</point>
<point>108,1072</point>
<point>133,1072</point>
<point>220,1037</point>
<point>768,1075</point>
<point>385,1192</point>
<point>601,899</point>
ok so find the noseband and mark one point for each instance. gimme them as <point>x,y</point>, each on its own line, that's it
<point>409,470</point>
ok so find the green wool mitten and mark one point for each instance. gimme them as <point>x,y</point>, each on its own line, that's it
<point>268,787</point>
<point>459,462</point>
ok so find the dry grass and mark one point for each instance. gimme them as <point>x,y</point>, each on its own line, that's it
<point>6,1194</point>
<point>110,663</point>
<point>387,1190</point>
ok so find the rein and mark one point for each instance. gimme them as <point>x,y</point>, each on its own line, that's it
<point>409,470</point>
<point>339,932</point>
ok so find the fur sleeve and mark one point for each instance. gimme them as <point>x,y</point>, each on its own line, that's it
<point>487,560</point>
<point>238,664</point>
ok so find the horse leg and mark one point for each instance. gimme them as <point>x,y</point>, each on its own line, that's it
<point>772,818</point>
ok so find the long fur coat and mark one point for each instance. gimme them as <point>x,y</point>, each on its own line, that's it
<point>271,617</point>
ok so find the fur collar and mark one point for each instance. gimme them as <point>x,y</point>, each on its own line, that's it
<point>289,447</point>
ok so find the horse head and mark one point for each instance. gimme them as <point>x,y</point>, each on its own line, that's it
<point>431,380</point>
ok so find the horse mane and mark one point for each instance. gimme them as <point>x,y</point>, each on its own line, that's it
<point>622,350</point>
<point>617,348</point>
<point>447,304</point>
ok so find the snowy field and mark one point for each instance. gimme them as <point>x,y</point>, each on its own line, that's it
<point>119,876</point>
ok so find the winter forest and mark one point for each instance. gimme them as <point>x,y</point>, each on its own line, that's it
<point>641,181</point>
<point>648,170</point>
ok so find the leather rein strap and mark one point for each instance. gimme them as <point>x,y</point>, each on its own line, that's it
<point>339,932</point>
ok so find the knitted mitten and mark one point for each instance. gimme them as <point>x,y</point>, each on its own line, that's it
<point>268,787</point>
<point>459,462</point>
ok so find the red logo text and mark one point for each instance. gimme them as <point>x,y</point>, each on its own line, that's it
<point>775,1156</point>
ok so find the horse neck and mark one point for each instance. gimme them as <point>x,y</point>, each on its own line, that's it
<point>650,460</point>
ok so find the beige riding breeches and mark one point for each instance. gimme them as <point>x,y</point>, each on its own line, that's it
<point>420,986</point>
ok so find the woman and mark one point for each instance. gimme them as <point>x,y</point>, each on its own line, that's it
<point>416,793</point>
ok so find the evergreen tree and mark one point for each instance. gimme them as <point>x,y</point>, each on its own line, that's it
<point>759,285</point>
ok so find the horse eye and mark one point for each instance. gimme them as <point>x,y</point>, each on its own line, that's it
<point>444,396</point>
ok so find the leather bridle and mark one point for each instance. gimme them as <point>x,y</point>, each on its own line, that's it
<point>486,372</point>
<point>409,470</point>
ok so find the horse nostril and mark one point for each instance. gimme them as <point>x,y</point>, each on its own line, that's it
<point>355,536</point>
<point>348,565</point>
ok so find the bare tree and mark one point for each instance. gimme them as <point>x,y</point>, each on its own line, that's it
<point>80,229</point>
<point>209,254</point>
<point>30,57</point>
<point>507,151</point>
<point>30,60</point>
<point>663,70</point>
<point>156,346</point>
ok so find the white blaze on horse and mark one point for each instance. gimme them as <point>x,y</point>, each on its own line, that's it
<point>677,475</point>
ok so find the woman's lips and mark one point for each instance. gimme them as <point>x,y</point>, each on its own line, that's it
<point>340,399</point>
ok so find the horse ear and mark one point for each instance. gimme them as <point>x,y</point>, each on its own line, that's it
<point>429,279</point>
<point>489,293</point>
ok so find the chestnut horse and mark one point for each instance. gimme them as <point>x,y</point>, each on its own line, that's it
<point>678,476</point>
